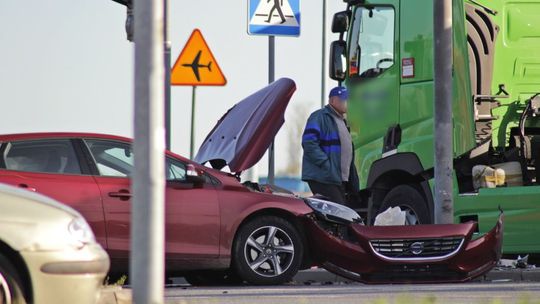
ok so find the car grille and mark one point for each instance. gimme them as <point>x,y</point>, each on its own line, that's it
<point>408,249</point>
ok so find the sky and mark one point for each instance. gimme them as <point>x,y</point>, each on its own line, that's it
<point>65,65</point>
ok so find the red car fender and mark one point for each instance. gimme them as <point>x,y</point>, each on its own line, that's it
<point>231,221</point>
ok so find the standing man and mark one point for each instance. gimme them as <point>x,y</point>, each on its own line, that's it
<point>328,162</point>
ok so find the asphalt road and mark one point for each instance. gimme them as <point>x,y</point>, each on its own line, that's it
<point>481,293</point>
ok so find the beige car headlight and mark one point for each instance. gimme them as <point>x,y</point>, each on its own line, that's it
<point>80,232</point>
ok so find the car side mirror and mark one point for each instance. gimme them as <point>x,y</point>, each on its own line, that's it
<point>193,176</point>
<point>340,23</point>
<point>337,56</point>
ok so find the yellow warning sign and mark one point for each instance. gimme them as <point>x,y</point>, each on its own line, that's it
<point>196,65</point>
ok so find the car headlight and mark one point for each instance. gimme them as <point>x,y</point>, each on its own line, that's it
<point>80,232</point>
<point>333,212</point>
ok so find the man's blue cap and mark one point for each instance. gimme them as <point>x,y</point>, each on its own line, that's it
<point>341,92</point>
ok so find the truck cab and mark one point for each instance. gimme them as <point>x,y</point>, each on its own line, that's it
<point>384,55</point>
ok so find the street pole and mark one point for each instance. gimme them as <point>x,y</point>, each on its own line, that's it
<point>148,184</point>
<point>271,77</point>
<point>323,65</point>
<point>192,137</point>
<point>167,58</point>
<point>442,21</point>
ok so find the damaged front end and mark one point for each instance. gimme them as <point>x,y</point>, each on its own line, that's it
<point>399,254</point>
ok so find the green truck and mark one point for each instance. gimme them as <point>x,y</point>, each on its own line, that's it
<point>384,55</point>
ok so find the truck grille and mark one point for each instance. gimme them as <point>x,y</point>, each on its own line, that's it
<point>414,249</point>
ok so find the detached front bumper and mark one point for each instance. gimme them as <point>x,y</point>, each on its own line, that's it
<point>404,254</point>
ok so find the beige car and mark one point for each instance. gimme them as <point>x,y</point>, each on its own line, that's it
<point>48,253</point>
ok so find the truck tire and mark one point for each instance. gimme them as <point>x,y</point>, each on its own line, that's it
<point>410,200</point>
<point>11,288</point>
<point>268,250</point>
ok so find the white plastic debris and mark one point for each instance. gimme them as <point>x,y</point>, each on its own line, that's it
<point>519,262</point>
<point>392,216</point>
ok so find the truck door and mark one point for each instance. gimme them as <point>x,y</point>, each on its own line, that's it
<point>373,74</point>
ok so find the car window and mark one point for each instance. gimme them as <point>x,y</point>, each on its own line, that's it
<point>116,159</point>
<point>112,158</point>
<point>44,156</point>
<point>175,170</point>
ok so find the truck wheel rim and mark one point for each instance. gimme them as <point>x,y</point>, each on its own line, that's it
<point>410,216</point>
<point>5,294</point>
<point>269,251</point>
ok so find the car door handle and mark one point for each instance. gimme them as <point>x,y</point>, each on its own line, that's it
<point>123,195</point>
<point>25,186</point>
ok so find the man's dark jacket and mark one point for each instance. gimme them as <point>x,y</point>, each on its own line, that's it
<point>322,151</point>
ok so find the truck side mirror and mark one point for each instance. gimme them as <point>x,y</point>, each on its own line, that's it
<point>337,55</point>
<point>340,23</point>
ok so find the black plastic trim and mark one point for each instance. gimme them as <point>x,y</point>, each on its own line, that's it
<point>86,155</point>
<point>392,139</point>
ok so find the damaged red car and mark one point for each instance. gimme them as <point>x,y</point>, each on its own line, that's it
<point>221,231</point>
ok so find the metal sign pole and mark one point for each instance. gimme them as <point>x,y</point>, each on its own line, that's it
<point>444,205</point>
<point>167,58</point>
<point>271,77</point>
<point>192,137</point>
<point>148,184</point>
<point>323,64</point>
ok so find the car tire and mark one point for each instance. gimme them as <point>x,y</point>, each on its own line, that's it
<point>410,200</point>
<point>260,262</point>
<point>11,288</point>
<point>212,278</point>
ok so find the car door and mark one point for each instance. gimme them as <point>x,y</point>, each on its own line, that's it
<point>191,213</point>
<point>112,163</point>
<point>53,167</point>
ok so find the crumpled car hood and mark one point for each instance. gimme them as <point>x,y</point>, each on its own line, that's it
<point>244,133</point>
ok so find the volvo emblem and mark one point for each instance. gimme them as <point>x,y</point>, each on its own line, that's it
<point>417,247</point>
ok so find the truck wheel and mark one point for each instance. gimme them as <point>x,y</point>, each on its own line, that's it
<point>11,290</point>
<point>410,200</point>
<point>267,251</point>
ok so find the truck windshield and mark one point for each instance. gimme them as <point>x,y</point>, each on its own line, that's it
<point>371,48</point>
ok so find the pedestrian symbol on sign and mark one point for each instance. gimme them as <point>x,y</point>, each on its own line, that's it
<point>274,17</point>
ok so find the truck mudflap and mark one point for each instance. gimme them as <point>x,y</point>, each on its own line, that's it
<point>405,254</point>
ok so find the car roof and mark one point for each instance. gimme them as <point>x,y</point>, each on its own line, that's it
<point>49,135</point>
<point>46,135</point>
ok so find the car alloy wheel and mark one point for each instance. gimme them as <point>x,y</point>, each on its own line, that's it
<point>5,293</point>
<point>269,251</point>
<point>10,284</point>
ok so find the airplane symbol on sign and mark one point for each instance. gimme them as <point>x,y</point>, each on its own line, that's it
<point>195,65</point>
<point>196,55</point>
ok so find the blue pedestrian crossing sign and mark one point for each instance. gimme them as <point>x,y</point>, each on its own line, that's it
<point>274,17</point>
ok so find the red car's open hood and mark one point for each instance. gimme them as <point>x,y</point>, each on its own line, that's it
<point>245,132</point>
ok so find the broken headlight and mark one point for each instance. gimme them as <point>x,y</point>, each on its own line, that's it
<point>333,212</point>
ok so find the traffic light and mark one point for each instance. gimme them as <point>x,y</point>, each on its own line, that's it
<point>129,17</point>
